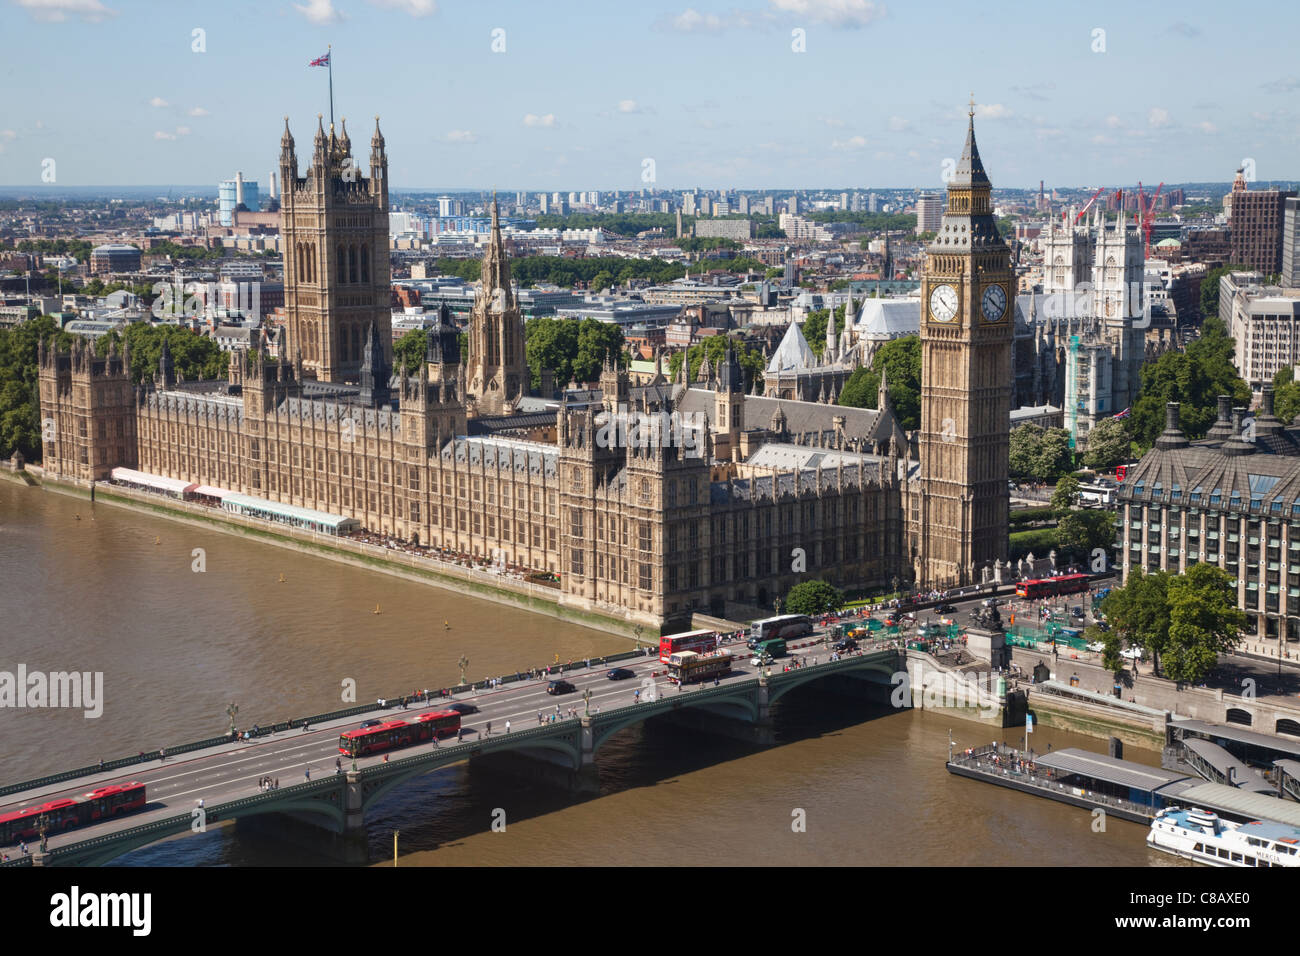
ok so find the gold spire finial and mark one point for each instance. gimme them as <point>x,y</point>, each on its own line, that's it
<point>972,105</point>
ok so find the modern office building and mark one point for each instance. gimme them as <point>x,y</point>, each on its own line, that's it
<point>114,257</point>
<point>1257,227</point>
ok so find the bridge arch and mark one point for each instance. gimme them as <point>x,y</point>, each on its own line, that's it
<point>786,682</point>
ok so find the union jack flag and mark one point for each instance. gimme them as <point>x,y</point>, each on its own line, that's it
<point>320,61</point>
<point>1123,414</point>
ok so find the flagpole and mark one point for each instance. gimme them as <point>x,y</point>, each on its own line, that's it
<point>329,61</point>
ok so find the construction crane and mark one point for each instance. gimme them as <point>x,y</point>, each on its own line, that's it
<point>1148,215</point>
<point>1088,205</point>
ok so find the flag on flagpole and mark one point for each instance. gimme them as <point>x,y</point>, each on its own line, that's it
<point>320,61</point>
<point>1123,414</point>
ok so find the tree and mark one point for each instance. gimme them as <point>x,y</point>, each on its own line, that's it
<point>1082,532</point>
<point>750,359</point>
<point>1195,378</point>
<point>1067,489</point>
<point>1041,454</point>
<point>812,597</point>
<point>1210,289</point>
<point>410,350</point>
<point>900,360</point>
<point>1204,621</point>
<point>1108,444</point>
<point>20,417</point>
<point>1139,612</point>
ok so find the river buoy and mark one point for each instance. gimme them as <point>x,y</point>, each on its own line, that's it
<point>376,610</point>
<point>281,578</point>
<point>157,540</point>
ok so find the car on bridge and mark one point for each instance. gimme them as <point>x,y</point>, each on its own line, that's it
<point>463,708</point>
<point>620,673</point>
<point>560,687</point>
<point>370,723</point>
<point>848,644</point>
<point>946,609</point>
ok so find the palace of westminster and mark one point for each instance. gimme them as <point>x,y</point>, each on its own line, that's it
<point>459,456</point>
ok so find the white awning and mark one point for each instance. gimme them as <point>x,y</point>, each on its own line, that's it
<point>211,492</point>
<point>173,485</point>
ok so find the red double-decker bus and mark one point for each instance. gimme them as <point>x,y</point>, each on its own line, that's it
<point>392,734</point>
<point>701,642</point>
<point>1051,587</point>
<point>68,813</point>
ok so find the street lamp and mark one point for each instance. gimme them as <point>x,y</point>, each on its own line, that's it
<point>231,711</point>
<point>637,631</point>
<point>462,663</point>
<point>586,702</point>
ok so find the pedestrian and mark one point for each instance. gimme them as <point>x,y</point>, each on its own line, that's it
<point>489,728</point>
<point>199,803</point>
<point>162,754</point>
<point>101,763</point>
<point>539,718</point>
<point>307,773</point>
<point>385,758</point>
<point>338,764</point>
<point>507,726</point>
<point>460,734</point>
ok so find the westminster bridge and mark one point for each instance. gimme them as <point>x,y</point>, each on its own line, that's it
<point>199,785</point>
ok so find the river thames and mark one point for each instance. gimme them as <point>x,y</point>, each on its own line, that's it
<point>106,589</point>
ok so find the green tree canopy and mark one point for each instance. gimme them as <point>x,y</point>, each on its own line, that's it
<point>715,347</point>
<point>1064,494</point>
<point>1080,533</point>
<point>1196,378</point>
<point>1040,454</point>
<point>1210,289</point>
<point>1204,621</point>
<point>1109,444</point>
<point>812,597</point>
<point>1139,613</point>
<point>410,350</point>
<point>900,360</point>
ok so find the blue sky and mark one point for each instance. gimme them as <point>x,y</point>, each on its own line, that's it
<point>713,92</point>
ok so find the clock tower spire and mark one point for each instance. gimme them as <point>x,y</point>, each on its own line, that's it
<point>966,341</point>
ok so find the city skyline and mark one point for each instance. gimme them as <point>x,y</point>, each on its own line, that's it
<point>559,104</point>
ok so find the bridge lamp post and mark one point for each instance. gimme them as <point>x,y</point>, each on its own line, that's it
<point>231,711</point>
<point>462,663</point>
<point>638,629</point>
<point>586,702</point>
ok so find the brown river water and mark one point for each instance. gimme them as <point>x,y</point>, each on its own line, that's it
<point>109,589</point>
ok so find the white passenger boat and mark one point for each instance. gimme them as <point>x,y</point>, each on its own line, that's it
<point>1206,838</point>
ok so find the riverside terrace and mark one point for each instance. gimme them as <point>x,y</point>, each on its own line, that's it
<point>224,774</point>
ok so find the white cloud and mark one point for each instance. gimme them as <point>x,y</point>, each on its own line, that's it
<point>182,131</point>
<point>1157,117</point>
<point>532,119</point>
<point>832,121</point>
<point>853,142</point>
<point>416,8</point>
<point>319,11</point>
<point>161,135</point>
<point>158,102</point>
<point>692,21</point>
<point>198,111</point>
<point>897,124</point>
<point>839,13</point>
<point>56,11</point>
<point>1207,127</point>
<point>1113,122</point>
<point>628,106</point>
<point>1101,139</point>
<point>992,111</point>
<point>8,134</point>
<point>461,136</point>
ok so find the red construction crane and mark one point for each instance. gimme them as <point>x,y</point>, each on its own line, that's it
<point>1088,205</point>
<point>1148,212</point>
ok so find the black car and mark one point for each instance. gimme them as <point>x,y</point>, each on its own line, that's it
<point>620,673</point>
<point>370,723</point>
<point>848,644</point>
<point>946,609</point>
<point>560,687</point>
<point>463,708</point>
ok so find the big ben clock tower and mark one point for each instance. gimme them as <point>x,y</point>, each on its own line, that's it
<point>960,525</point>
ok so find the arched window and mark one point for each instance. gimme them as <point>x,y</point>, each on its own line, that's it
<point>352,263</point>
<point>343,273</point>
<point>365,263</point>
<point>1236,715</point>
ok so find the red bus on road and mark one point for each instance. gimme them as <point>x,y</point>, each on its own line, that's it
<point>392,734</point>
<point>1050,587</point>
<point>701,642</point>
<point>67,813</point>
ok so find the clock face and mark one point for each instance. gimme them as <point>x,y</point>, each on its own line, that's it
<point>994,303</point>
<point>943,303</point>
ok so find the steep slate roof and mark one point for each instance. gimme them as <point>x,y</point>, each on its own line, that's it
<point>793,352</point>
<point>890,318</point>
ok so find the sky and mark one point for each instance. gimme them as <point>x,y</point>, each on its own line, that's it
<point>609,94</point>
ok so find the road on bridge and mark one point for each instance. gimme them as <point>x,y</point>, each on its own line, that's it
<point>231,771</point>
